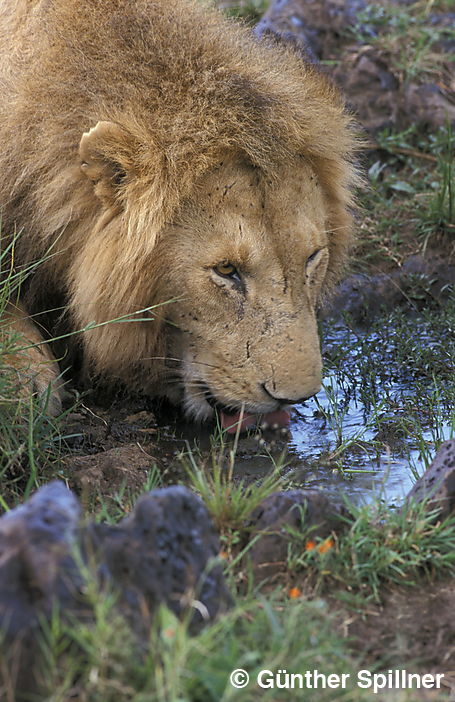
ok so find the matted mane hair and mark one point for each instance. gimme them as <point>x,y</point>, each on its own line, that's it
<point>186,85</point>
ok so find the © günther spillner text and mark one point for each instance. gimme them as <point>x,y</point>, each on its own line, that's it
<point>315,680</point>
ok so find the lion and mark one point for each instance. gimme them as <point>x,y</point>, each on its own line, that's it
<point>188,191</point>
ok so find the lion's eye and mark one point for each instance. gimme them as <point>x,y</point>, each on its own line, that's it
<point>311,258</point>
<point>226,270</point>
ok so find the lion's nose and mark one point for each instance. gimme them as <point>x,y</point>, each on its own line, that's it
<point>286,400</point>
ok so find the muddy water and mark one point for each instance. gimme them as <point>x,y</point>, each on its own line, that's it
<point>368,468</point>
<point>370,431</point>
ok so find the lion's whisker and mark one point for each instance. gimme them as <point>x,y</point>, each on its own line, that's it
<point>180,361</point>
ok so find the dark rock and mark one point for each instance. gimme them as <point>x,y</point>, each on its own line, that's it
<point>315,27</point>
<point>370,86</point>
<point>284,22</point>
<point>431,103</point>
<point>37,572</point>
<point>382,100</point>
<point>163,552</point>
<point>271,521</point>
<point>446,43</point>
<point>437,484</point>
<point>435,274</point>
<point>362,298</point>
<point>419,282</point>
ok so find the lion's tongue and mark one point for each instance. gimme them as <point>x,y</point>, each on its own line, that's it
<point>231,422</point>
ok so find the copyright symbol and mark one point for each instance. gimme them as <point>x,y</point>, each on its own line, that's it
<point>239,678</point>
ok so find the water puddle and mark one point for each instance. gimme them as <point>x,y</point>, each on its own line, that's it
<point>387,402</point>
<point>369,467</point>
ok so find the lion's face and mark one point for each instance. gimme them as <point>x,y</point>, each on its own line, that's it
<point>246,259</point>
<point>239,268</point>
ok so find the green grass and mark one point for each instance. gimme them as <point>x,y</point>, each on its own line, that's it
<point>102,662</point>
<point>30,440</point>
<point>405,36</point>
<point>410,203</point>
<point>440,209</point>
<point>249,10</point>
<point>229,503</point>
<point>379,546</point>
<point>256,636</point>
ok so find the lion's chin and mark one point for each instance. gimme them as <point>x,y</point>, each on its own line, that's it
<point>232,422</point>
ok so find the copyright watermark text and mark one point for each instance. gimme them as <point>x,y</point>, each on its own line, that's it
<point>315,680</point>
<point>239,678</point>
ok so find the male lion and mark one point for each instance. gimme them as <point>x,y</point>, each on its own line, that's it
<point>155,152</point>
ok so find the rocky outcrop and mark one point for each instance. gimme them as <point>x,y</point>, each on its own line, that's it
<point>419,282</point>
<point>437,485</point>
<point>38,573</point>
<point>272,523</point>
<point>165,552</point>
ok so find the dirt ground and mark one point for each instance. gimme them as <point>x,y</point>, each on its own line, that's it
<point>412,624</point>
<point>372,74</point>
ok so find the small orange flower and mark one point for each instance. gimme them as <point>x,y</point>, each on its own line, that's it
<point>223,554</point>
<point>326,545</point>
<point>310,545</point>
<point>294,592</point>
<point>168,633</point>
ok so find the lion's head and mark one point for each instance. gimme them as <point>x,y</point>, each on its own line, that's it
<point>240,270</point>
<point>171,162</point>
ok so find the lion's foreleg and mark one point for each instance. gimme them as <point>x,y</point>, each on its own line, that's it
<point>26,359</point>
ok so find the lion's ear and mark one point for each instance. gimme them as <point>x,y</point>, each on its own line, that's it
<point>105,158</point>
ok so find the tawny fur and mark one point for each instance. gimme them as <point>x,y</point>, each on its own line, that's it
<point>184,103</point>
